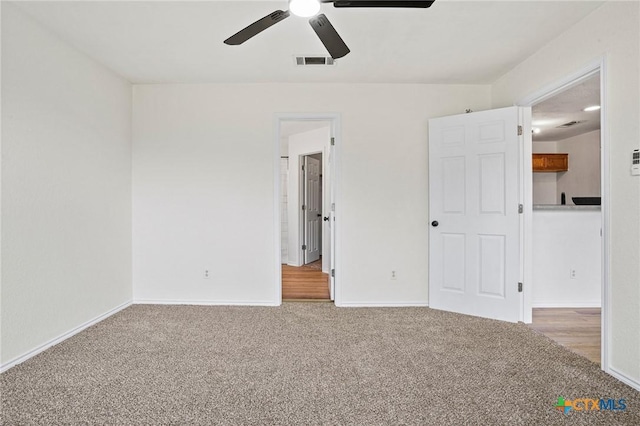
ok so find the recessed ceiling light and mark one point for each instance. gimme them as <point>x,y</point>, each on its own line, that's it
<point>542,122</point>
<point>535,130</point>
<point>592,108</point>
<point>304,8</point>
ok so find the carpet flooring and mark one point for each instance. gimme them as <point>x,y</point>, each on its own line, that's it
<point>306,364</point>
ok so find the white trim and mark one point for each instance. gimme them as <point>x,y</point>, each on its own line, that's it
<point>203,302</point>
<point>593,67</point>
<point>64,336</point>
<point>336,240</point>
<point>277,297</point>
<point>593,304</point>
<point>605,191</point>
<point>624,378</point>
<point>526,219</point>
<point>563,84</point>
<point>383,304</point>
<point>336,129</point>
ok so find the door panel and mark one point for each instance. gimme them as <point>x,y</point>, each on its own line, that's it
<point>474,240</point>
<point>492,265</point>
<point>492,184</point>
<point>453,181</point>
<point>453,250</point>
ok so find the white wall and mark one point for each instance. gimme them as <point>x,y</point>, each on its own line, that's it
<point>311,141</point>
<point>284,207</point>
<point>565,240</point>
<point>204,187</point>
<point>583,177</point>
<point>612,31</point>
<point>66,187</point>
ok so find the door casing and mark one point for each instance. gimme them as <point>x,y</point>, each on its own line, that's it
<point>335,125</point>
<point>590,69</point>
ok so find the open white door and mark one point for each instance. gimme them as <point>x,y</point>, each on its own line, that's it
<point>474,239</point>
<point>312,209</point>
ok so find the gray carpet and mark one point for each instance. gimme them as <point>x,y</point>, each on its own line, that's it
<point>306,363</point>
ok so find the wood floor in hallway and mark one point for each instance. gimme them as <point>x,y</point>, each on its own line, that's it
<point>305,283</point>
<point>575,328</point>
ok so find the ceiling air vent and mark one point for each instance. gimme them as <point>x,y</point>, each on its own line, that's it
<point>314,60</point>
<point>569,124</point>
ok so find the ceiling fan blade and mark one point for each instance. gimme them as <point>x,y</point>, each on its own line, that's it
<point>257,27</point>
<point>329,36</point>
<point>381,3</point>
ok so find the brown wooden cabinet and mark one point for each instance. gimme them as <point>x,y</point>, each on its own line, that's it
<point>550,162</point>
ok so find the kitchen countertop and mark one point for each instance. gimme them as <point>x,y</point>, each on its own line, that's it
<point>555,207</point>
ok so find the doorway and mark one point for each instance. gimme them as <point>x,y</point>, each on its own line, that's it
<point>305,209</point>
<point>566,227</point>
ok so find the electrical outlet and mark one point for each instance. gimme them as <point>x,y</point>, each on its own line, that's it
<point>393,275</point>
<point>206,274</point>
<point>572,274</point>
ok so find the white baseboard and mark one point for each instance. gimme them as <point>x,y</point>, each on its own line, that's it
<point>22,358</point>
<point>203,302</point>
<point>594,304</point>
<point>382,304</point>
<point>624,378</point>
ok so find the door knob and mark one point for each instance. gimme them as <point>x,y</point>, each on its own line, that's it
<point>434,223</point>
<point>326,218</point>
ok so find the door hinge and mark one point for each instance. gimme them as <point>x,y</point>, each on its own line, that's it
<point>333,141</point>
<point>303,167</point>
<point>304,247</point>
<point>304,207</point>
<point>333,273</point>
<point>519,287</point>
<point>520,208</point>
<point>519,130</point>
<point>333,207</point>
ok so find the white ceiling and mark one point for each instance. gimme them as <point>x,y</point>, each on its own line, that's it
<point>565,107</point>
<point>472,42</point>
<point>293,127</point>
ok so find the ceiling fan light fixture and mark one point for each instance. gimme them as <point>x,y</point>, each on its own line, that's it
<point>304,8</point>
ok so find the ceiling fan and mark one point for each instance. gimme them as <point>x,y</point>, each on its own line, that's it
<point>319,22</point>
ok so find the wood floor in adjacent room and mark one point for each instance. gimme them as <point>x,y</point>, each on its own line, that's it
<point>306,282</point>
<point>575,328</point>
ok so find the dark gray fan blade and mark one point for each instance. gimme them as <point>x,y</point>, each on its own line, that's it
<point>381,3</point>
<point>329,36</point>
<point>257,27</point>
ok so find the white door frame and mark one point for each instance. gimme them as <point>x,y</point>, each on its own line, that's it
<point>546,92</point>
<point>336,131</point>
